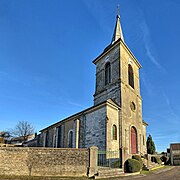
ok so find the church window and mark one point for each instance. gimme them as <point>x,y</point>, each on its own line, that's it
<point>70,139</point>
<point>47,139</point>
<point>132,106</point>
<point>131,76</point>
<point>114,132</point>
<point>107,73</point>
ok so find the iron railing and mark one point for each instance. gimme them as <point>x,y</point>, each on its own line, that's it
<point>109,159</point>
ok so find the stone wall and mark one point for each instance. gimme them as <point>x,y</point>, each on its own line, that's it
<point>43,161</point>
<point>112,90</point>
<point>95,128</point>
<point>112,119</point>
<point>131,117</point>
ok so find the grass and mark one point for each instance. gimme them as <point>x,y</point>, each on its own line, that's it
<point>67,178</point>
<point>40,178</point>
<point>145,172</point>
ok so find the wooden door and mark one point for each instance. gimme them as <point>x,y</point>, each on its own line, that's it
<point>133,141</point>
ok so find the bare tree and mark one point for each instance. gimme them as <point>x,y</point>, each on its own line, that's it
<point>23,129</point>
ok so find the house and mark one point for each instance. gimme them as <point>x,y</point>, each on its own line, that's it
<point>175,153</point>
<point>19,141</point>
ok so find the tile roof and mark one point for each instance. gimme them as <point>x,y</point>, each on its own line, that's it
<point>175,146</point>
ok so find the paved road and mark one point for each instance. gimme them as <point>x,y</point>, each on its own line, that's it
<point>161,174</point>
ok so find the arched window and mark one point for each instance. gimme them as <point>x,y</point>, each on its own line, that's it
<point>133,140</point>
<point>107,73</point>
<point>114,132</point>
<point>131,76</point>
<point>70,139</point>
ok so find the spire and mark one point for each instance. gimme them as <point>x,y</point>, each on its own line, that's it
<point>117,30</point>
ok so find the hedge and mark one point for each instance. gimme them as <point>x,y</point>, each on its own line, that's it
<point>132,165</point>
<point>138,158</point>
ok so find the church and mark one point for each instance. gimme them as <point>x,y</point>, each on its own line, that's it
<point>115,121</point>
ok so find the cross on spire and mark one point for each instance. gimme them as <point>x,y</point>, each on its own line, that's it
<point>117,30</point>
<point>118,10</point>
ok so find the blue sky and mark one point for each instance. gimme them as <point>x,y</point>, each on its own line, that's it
<point>46,53</point>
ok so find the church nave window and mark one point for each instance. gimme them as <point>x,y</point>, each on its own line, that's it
<point>114,132</point>
<point>131,76</point>
<point>107,73</point>
<point>70,139</point>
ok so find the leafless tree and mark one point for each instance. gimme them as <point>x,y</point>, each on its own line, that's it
<point>23,129</point>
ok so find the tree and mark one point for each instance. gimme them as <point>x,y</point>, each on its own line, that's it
<point>23,129</point>
<point>151,149</point>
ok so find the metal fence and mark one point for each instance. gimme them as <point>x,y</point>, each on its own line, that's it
<point>109,159</point>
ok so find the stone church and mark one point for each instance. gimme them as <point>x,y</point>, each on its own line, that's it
<point>115,120</point>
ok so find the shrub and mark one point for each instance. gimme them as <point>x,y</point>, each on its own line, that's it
<point>115,164</point>
<point>132,165</point>
<point>138,158</point>
<point>156,159</point>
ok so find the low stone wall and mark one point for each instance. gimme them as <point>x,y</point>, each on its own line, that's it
<point>43,161</point>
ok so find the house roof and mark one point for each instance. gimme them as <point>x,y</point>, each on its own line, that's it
<point>175,146</point>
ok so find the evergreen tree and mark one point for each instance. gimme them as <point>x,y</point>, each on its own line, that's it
<point>151,149</point>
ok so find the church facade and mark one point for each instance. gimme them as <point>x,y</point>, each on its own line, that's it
<point>115,120</point>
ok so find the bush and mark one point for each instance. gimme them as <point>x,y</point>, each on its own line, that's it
<point>165,159</point>
<point>115,164</point>
<point>156,159</point>
<point>132,165</point>
<point>138,158</point>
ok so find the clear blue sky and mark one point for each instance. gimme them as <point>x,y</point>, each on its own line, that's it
<point>46,53</point>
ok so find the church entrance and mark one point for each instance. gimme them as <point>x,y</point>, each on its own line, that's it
<point>133,140</point>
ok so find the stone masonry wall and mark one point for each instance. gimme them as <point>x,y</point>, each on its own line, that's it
<point>111,90</point>
<point>44,161</point>
<point>95,128</point>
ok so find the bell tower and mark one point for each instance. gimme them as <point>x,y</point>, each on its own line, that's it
<point>117,78</point>
<point>108,69</point>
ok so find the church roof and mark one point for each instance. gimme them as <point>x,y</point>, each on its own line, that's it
<point>117,31</point>
<point>77,115</point>
<point>116,39</point>
<point>110,101</point>
<point>108,48</point>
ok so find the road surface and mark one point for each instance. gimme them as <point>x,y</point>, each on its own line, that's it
<point>161,174</point>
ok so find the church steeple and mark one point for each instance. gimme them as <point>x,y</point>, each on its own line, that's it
<point>117,30</point>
